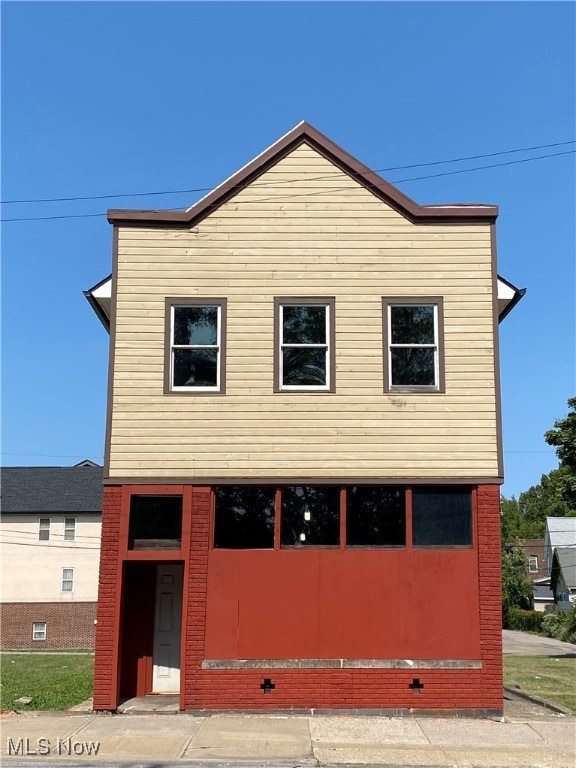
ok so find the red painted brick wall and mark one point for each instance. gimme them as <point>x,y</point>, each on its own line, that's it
<point>490,586</point>
<point>68,625</point>
<point>104,667</point>
<point>197,588</point>
<point>309,688</point>
<point>363,688</point>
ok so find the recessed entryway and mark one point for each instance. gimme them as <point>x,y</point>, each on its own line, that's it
<point>167,623</point>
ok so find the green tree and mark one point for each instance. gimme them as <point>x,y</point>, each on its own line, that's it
<point>516,586</point>
<point>525,517</point>
<point>563,438</point>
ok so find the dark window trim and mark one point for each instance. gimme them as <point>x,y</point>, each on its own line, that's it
<point>327,301</point>
<point>192,301</point>
<point>437,301</point>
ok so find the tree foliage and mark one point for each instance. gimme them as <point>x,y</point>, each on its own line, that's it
<point>516,586</point>
<point>555,495</point>
<point>563,438</point>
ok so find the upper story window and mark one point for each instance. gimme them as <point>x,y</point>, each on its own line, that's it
<point>413,345</point>
<point>532,564</point>
<point>67,579</point>
<point>195,346</point>
<point>44,529</point>
<point>304,345</point>
<point>70,529</point>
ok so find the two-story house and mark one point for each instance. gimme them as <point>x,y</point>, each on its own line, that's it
<point>50,538</point>
<point>304,445</point>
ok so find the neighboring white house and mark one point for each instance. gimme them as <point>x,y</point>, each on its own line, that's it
<point>50,537</point>
<point>560,532</point>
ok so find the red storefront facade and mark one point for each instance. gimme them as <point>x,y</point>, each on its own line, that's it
<point>387,629</point>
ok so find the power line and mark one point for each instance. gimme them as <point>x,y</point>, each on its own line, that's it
<point>318,178</point>
<point>417,178</point>
<point>50,455</point>
<point>50,515</point>
<point>46,218</point>
<point>324,191</point>
<point>54,546</point>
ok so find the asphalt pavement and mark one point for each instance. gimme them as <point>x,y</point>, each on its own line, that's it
<point>525,644</point>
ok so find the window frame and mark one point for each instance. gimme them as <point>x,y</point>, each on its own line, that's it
<point>45,529</point>
<point>533,564</point>
<point>34,631</point>
<point>329,302</point>
<point>68,529</point>
<point>437,303</point>
<point>446,488</point>
<point>64,580</point>
<point>171,303</point>
<point>405,512</point>
<point>408,524</point>
<point>303,544</point>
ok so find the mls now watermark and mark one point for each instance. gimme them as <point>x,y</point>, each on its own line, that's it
<point>42,747</point>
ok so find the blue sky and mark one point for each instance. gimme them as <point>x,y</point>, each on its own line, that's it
<point>112,97</point>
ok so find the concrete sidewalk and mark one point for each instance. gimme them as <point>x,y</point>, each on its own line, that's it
<point>545,741</point>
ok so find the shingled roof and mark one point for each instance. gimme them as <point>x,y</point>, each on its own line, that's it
<point>51,489</point>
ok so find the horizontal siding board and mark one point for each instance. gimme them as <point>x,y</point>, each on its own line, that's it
<point>304,228</point>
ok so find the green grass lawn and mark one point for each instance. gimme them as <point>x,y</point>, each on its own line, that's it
<point>552,678</point>
<point>57,681</point>
<point>53,681</point>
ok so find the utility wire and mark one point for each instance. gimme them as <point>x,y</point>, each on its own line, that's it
<point>49,455</point>
<point>50,515</point>
<point>207,189</point>
<point>274,197</point>
<point>54,546</point>
<point>418,178</point>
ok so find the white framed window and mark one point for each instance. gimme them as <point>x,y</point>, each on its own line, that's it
<point>44,529</point>
<point>67,579</point>
<point>69,529</point>
<point>304,354</point>
<point>196,338</point>
<point>39,630</point>
<point>532,564</point>
<point>413,345</point>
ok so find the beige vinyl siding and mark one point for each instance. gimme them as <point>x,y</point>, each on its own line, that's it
<point>304,228</point>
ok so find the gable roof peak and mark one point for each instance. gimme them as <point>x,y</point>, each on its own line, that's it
<point>304,131</point>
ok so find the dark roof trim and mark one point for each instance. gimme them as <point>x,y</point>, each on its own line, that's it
<point>97,305</point>
<point>103,317</point>
<point>305,133</point>
<point>518,294</point>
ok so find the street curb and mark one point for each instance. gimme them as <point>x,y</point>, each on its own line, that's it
<point>558,708</point>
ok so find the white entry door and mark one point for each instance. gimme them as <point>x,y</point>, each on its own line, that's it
<point>167,622</point>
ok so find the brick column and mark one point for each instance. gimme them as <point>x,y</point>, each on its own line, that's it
<point>197,586</point>
<point>490,588</point>
<point>106,659</point>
